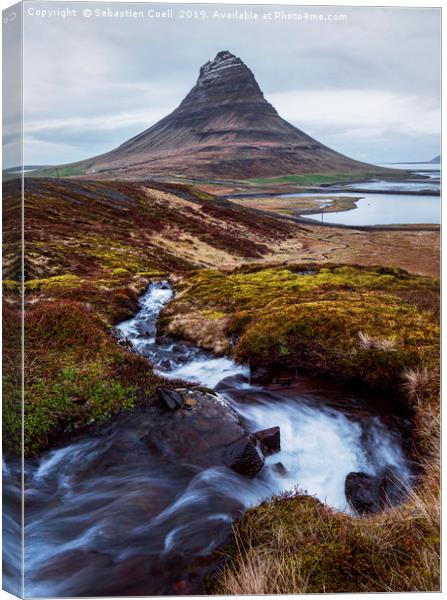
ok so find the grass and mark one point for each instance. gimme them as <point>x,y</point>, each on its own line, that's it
<point>316,178</point>
<point>294,544</point>
<point>75,373</point>
<point>345,321</point>
<point>91,249</point>
<point>373,325</point>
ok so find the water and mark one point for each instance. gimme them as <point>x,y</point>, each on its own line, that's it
<point>109,515</point>
<point>382,209</point>
<point>413,201</point>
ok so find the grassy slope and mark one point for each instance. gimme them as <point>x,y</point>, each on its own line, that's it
<point>91,249</point>
<point>376,326</point>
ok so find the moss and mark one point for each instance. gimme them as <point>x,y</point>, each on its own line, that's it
<point>50,283</point>
<point>314,318</point>
<point>75,374</point>
<point>294,544</point>
<point>10,285</point>
<point>120,271</point>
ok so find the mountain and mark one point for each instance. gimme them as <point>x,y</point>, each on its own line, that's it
<point>435,161</point>
<point>224,128</point>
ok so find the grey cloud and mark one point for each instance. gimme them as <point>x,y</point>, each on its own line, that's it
<point>96,68</point>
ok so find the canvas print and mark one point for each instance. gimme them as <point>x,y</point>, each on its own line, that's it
<point>221,299</point>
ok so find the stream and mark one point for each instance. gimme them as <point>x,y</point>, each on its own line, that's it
<point>108,515</point>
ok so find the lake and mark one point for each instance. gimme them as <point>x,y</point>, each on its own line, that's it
<point>412,201</point>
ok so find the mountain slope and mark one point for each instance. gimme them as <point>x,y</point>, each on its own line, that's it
<point>223,128</point>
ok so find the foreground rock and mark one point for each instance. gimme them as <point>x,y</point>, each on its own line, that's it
<point>202,429</point>
<point>270,440</point>
<point>370,494</point>
<point>171,398</point>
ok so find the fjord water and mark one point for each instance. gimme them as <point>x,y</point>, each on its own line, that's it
<point>386,202</point>
<point>105,517</point>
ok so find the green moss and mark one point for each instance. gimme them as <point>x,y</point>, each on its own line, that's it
<point>51,283</point>
<point>75,374</point>
<point>73,398</point>
<point>295,545</point>
<point>10,285</point>
<point>314,318</point>
<point>120,271</point>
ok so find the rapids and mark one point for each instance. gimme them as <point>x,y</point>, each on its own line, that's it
<point>103,517</point>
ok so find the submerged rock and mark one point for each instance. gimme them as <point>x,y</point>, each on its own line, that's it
<point>270,440</point>
<point>280,469</point>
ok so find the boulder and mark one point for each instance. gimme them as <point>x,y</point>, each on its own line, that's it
<point>371,493</point>
<point>243,457</point>
<point>171,398</point>
<point>363,492</point>
<point>270,440</point>
<point>280,469</point>
<point>205,432</point>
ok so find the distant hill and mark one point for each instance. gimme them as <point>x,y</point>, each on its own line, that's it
<point>435,161</point>
<point>224,128</point>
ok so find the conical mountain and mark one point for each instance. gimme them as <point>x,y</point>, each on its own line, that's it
<point>224,128</point>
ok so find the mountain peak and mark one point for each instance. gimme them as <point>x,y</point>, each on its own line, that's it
<point>215,68</point>
<point>225,81</point>
<point>224,127</point>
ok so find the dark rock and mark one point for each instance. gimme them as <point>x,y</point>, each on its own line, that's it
<point>261,375</point>
<point>270,440</point>
<point>172,399</point>
<point>392,489</point>
<point>165,364</point>
<point>279,468</point>
<point>363,492</point>
<point>370,493</point>
<point>243,457</point>
<point>208,432</point>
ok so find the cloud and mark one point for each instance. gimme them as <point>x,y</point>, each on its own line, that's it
<point>368,86</point>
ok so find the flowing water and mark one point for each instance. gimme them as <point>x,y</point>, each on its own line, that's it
<point>105,515</point>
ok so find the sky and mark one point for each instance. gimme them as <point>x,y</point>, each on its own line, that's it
<point>367,85</point>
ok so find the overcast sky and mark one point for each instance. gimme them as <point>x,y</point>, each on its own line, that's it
<point>367,87</point>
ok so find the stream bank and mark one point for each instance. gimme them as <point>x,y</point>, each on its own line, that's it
<point>141,507</point>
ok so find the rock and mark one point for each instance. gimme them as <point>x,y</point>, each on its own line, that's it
<point>270,440</point>
<point>392,489</point>
<point>172,399</point>
<point>279,468</point>
<point>165,364</point>
<point>363,492</point>
<point>243,457</point>
<point>370,493</point>
<point>210,433</point>
<point>261,375</point>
